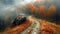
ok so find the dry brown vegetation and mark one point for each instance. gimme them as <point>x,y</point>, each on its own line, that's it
<point>46,27</point>
<point>17,29</point>
<point>49,27</point>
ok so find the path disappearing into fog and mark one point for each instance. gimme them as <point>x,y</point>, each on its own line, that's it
<point>33,28</point>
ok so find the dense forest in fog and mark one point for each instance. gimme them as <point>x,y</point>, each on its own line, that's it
<point>8,7</point>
